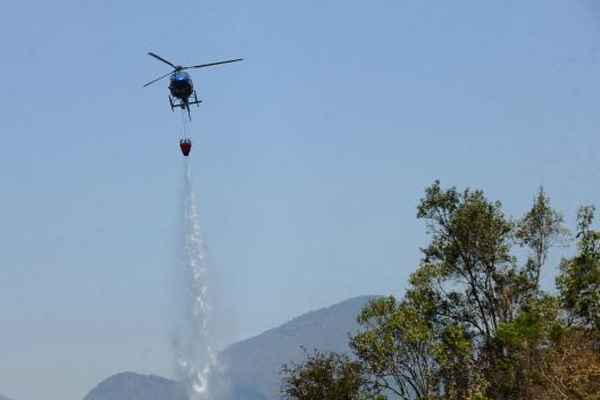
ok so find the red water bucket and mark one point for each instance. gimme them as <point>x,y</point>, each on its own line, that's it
<point>186,146</point>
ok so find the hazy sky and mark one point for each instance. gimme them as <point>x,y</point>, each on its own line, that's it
<point>309,157</point>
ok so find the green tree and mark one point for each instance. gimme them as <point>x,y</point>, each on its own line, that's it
<point>430,344</point>
<point>525,341</point>
<point>474,323</point>
<point>539,230</point>
<point>579,278</point>
<point>322,376</point>
<point>395,348</point>
<point>468,262</point>
<point>489,311</point>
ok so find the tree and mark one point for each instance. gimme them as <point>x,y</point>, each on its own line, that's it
<point>539,230</point>
<point>322,376</point>
<point>430,344</point>
<point>487,311</point>
<point>525,341</point>
<point>468,262</point>
<point>395,348</point>
<point>579,278</point>
<point>474,323</point>
<point>570,370</point>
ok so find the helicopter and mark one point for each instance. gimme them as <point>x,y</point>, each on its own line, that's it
<point>181,86</point>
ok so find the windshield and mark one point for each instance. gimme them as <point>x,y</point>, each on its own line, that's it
<point>181,76</point>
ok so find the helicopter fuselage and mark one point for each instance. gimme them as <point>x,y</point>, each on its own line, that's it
<point>181,86</point>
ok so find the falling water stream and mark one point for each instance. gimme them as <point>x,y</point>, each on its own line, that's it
<point>195,358</point>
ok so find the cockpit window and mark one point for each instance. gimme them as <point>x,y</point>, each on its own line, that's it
<point>181,75</point>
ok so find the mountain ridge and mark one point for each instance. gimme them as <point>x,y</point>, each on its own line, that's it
<point>134,386</point>
<point>253,364</point>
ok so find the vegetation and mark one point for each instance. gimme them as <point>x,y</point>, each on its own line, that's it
<point>323,376</point>
<point>474,323</point>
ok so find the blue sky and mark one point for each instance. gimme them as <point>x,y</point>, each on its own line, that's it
<point>309,157</point>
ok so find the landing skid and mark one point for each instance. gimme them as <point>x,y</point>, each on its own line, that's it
<point>184,104</point>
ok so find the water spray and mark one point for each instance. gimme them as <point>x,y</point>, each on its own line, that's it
<point>195,358</point>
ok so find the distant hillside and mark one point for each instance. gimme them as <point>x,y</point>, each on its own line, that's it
<point>254,364</point>
<point>132,386</point>
<point>4,397</point>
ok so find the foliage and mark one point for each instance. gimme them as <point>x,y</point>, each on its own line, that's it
<point>570,369</point>
<point>395,349</point>
<point>523,342</point>
<point>469,250</point>
<point>474,323</point>
<point>324,376</point>
<point>541,228</point>
<point>579,278</point>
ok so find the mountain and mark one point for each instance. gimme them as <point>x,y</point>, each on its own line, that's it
<point>4,397</point>
<point>132,386</point>
<point>253,365</point>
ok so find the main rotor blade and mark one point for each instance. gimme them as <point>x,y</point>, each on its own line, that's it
<point>161,59</point>
<point>158,79</point>
<point>215,63</point>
